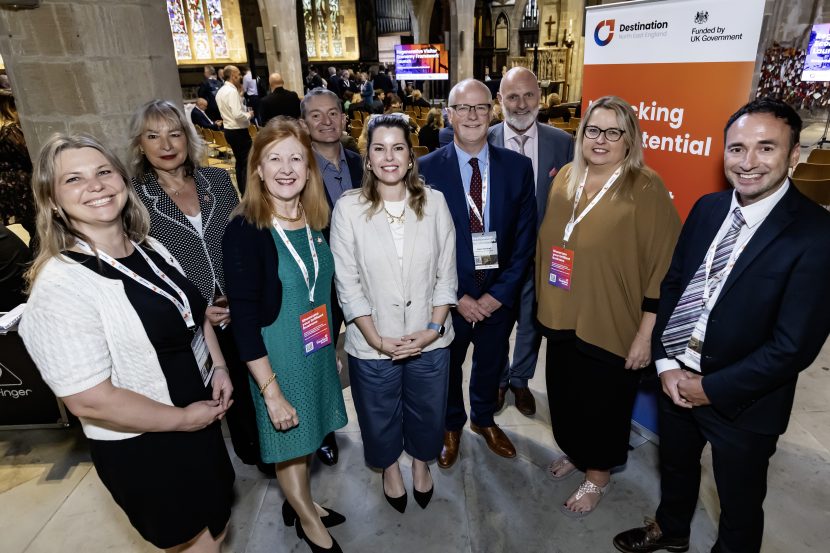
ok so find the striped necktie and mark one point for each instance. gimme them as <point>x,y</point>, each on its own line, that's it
<point>520,140</point>
<point>688,310</point>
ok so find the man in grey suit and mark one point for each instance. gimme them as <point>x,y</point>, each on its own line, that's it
<point>549,149</point>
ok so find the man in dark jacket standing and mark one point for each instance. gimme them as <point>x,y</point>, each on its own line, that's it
<point>279,102</point>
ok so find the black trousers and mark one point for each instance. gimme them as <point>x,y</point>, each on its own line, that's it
<point>241,417</point>
<point>740,461</point>
<point>240,142</point>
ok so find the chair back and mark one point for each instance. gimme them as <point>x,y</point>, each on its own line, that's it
<point>811,171</point>
<point>817,190</point>
<point>819,156</point>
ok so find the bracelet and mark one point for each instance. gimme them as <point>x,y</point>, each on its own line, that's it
<point>267,383</point>
<point>221,367</point>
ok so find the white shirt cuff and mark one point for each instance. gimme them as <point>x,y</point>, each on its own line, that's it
<point>664,365</point>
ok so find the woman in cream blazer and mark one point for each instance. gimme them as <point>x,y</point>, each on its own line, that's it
<point>394,249</point>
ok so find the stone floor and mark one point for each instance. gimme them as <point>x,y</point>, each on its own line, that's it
<point>52,500</point>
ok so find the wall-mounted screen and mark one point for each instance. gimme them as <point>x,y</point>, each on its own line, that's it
<point>817,61</point>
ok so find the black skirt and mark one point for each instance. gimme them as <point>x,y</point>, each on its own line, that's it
<point>591,397</point>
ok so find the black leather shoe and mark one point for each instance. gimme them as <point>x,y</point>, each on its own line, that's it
<point>335,548</point>
<point>332,518</point>
<point>328,451</point>
<point>268,469</point>
<point>423,498</point>
<point>500,398</point>
<point>525,402</point>
<point>397,503</point>
<point>648,538</point>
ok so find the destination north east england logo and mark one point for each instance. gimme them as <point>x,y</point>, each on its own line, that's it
<point>604,31</point>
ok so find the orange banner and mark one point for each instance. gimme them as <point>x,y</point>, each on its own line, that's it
<point>682,108</point>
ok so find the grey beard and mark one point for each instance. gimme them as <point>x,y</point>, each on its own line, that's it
<point>521,122</point>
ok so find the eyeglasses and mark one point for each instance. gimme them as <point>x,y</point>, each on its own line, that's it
<point>464,109</point>
<point>612,134</point>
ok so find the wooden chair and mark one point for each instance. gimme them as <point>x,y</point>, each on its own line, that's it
<point>252,130</point>
<point>357,115</point>
<point>575,121</point>
<point>414,139</point>
<point>421,122</point>
<point>357,123</point>
<point>817,190</point>
<point>222,143</point>
<point>556,120</point>
<point>819,156</point>
<point>356,131</point>
<point>811,171</point>
<point>420,151</point>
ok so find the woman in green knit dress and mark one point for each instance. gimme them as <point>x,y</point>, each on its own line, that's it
<point>279,271</point>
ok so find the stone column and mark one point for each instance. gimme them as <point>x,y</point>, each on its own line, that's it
<point>421,11</point>
<point>461,52</point>
<point>86,65</point>
<point>279,19</point>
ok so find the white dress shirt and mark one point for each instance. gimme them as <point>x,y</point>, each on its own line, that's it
<point>234,114</point>
<point>531,146</point>
<point>754,214</point>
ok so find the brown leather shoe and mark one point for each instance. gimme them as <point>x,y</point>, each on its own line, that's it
<point>496,439</point>
<point>648,538</point>
<point>525,402</point>
<point>500,400</point>
<point>449,453</point>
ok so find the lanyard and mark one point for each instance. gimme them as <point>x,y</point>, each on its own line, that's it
<point>723,275</point>
<point>569,228</point>
<point>485,177</point>
<point>298,260</point>
<point>183,306</point>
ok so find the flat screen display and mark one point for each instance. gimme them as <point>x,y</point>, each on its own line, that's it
<point>817,62</point>
<point>421,62</point>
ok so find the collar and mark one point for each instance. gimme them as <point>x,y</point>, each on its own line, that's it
<point>532,132</point>
<point>756,213</point>
<point>323,161</point>
<point>464,158</point>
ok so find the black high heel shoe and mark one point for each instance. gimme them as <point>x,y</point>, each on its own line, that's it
<point>423,498</point>
<point>335,547</point>
<point>397,503</point>
<point>289,516</point>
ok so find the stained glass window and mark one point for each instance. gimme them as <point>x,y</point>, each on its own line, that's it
<point>330,29</point>
<point>198,29</point>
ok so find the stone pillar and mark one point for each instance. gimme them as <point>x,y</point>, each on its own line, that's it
<point>461,52</point>
<point>279,20</point>
<point>421,15</point>
<point>86,65</point>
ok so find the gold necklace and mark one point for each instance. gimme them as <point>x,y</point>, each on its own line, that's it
<point>299,216</point>
<point>400,219</point>
<point>174,190</point>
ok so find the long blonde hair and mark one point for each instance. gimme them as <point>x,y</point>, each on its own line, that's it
<point>167,114</point>
<point>256,204</point>
<point>412,181</point>
<point>54,230</point>
<point>632,139</point>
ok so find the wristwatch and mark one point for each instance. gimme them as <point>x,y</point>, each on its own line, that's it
<point>437,328</point>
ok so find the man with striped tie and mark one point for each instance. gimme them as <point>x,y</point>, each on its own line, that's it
<point>744,308</point>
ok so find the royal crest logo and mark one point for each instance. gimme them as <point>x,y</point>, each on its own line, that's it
<point>701,17</point>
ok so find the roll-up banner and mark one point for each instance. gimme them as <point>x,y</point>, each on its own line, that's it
<point>685,66</point>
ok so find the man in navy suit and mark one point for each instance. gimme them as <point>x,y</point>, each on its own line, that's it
<point>489,191</point>
<point>549,149</point>
<point>322,114</point>
<point>744,308</point>
<point>199,117</point>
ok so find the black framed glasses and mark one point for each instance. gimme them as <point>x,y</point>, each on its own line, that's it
<point>611,135</point>
<point>464,109</point>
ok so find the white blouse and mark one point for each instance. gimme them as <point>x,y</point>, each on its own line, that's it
<point>396,209</point>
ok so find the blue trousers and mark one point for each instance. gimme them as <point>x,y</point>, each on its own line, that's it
<point>401,405</point>
<point>528,340</point>
<point>490,339</point>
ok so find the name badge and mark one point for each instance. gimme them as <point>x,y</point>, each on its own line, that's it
<point>202,355</point>
<point>561,267</point>
<point>316,330</point>
<point>485,250</point>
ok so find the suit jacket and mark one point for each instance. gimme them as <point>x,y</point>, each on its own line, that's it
<point>772,315</point>
<point>512,217</point>
<point>371,282</point>
<point>333,84</point>
<point>279,102</point>
<point>556,149</point>
<point>445,136</point>
<point>200,118</point>
<point>355,163</point>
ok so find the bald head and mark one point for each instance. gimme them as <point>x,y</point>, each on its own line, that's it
<point>467,86</point>
<point>519,96</point>
<point>275,81</point>
<point>202,104</point>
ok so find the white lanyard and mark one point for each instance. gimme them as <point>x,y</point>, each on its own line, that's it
<point>485,177</point>
<point>298,260</point>
<point>183,306</point>
<point>724,274</point>
<point>569,228</point>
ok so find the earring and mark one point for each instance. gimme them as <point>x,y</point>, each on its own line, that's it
<point>410,165</point>
<point>368,165</point>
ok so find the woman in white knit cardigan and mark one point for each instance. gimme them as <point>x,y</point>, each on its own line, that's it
<point>119,333</point>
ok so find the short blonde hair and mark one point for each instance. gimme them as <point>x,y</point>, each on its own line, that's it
<point>166,113</point>
<point>54,230</point>
<point>256,204</point>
